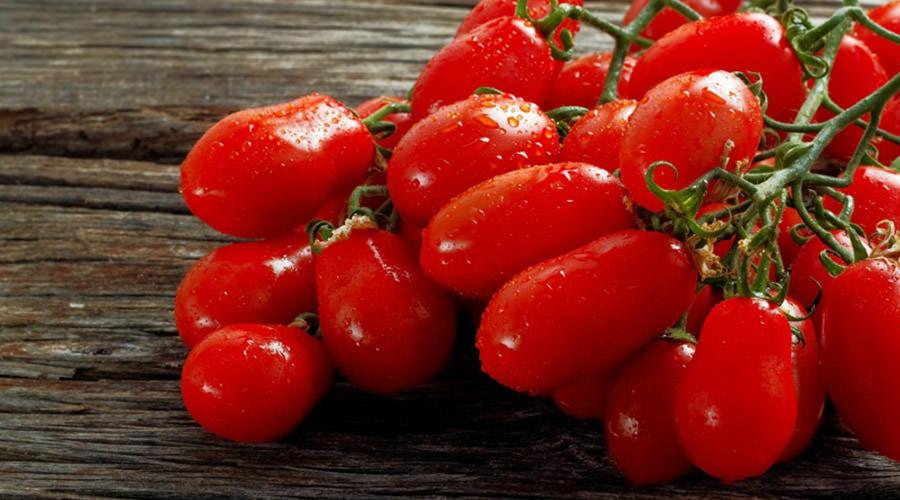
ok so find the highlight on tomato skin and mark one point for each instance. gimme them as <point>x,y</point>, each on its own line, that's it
<point>253,383</point>
<point>582,313</point>
<point>269,281</point>
<point>262,172</point>
<point>483,237</point>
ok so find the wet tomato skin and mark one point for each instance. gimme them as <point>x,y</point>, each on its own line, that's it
<point>669,19</point>
<point>596,138</point>
<point>860,346</point>
<point>582,313</point>
<point>745,41</point>
<point>387,327</point>
<point>264,171</point>
<point>888,16</point>
<point>506,53</point>
<point>269,281</point>
<point>809,381</point>
<point>585,400</point>
<point>463,144</point>
<point>253,383</point>
<point>486,235</point>
<point>487,10</point>
<point>640,419</point>
<point>736,406</point>
<point>687,120</point>
<point>580,83</point>
<point>402,120</point>
<point>876,197</point>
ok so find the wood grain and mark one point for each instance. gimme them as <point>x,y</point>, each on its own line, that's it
<point>98,100</point>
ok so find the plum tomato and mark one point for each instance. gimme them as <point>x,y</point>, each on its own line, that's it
<point>487,10</point>
<point>888,16</point>
<point>270,281</point>
<point>747,41</point>
<point>401,120</point>
<point>264,171</point>
<point>808,379</point>
<point>580,83</point>
<point>253,383</point>
<point>584,400</point>
<point>387,327</point>
<point>855,74</point>
<point>506,53</point>
<point>582,313</point>
<point>463,144</point>
<point>689,120</point>
<point>890,121</point>
<point>640,419</point>
<point>483,237</point>
<point>860,348</point>
<point>596,138</point>
<point>876,196</point>
<point>669,19</point>
<point>808,274</point>
<point>736,405</point>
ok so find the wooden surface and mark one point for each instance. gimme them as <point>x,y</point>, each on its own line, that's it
<point>99,100</point>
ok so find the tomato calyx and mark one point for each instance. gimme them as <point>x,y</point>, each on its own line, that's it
<point>322,233</point>
<point>565,117</point>
<point>308,322</point>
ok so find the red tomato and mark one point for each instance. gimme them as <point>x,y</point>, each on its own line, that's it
<point>464,144</point>
<point>584,400</point>
<point>640,419</point>
<point>264,171</point>
<point>861,346</point>
<point>808,381</point>
<point>597,137</point>
<point>786,244</point>
<point>876,196</point>
<point>855,74</point>
<point>736,406</point>
<point>487,10</point>
<point>890,121</point>
<point>580,83</point>
<point>669,19</point>
<point>706,299</point>
<point>253,383</point>
<point>486,235</point>
<point>402,120</point>
<point>506,53</point>
<point>687,120</point>
<point>386,326</point>
<point>412,234</point>
<point>888,16</point>
<point>582,313</point>
<point>268,281</point>
<point>808,273</point>
<point>746,41</point>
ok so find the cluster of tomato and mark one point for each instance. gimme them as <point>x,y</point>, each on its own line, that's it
<point>470,197</point>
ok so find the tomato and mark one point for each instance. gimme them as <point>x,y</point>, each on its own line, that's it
<point>808,274</point>
<point>669,19</point>
<point>706,299</point>
<point>385,325</point>
<point>264,171</point>
<point>808,380</point>
<point>253,383</point>
<point>687,120</point>
<point>582,313</point>
<point>888,16</point>
<point>506,53</point>
<point>855,74</point>
<point>890,121</point>
<point>269,281</point>
<point>580,83</point>
<point>876,197</point>
<point>640,419</point>
<point>596,138</point>
<point>486,235</point>
<point>487,10</point>
<point>861,346</point>
<point>584,400</point>
<point>747,41</point>
<point>736,405</point>
<point>464,144</point>
<point>402,120</point>
<point>334,209</point>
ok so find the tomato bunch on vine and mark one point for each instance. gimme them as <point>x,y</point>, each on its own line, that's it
<point>691,239</point>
